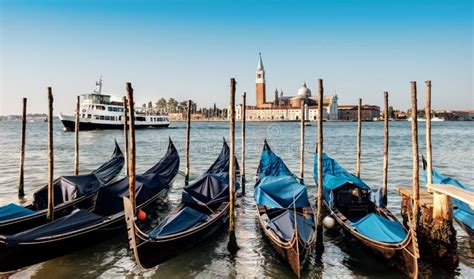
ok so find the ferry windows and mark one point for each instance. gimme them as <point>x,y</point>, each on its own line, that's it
<point>100,107</point>
<point>88,116</point>
<point>110,108</point>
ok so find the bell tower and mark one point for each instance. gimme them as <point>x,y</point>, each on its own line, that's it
<point>260,83</point>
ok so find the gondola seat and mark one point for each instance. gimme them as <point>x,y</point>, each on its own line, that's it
<point>179,222</point>
<point>284,226</point>
<point>380,229</point>
<point>110,198</point>
<point>79,219</point>
<point>12,211</point>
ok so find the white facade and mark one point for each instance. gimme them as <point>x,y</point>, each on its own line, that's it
<point>277,114</point>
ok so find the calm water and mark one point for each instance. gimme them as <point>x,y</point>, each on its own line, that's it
<point>452,154</point>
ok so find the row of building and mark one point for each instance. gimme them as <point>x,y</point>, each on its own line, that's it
<point>288,108</point>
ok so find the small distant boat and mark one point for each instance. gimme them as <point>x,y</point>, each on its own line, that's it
<point>433,119</point>
<point>203,210</point>
<point>84,227</point>
<point>284,212</point>
<point>97,111</point>
<point>70,192</point>
<point>347,198</point>
<point>463,213</point>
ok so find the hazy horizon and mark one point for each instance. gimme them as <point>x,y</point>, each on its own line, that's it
<point>190,50</point>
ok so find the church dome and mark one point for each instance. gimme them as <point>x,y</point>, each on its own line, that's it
<point>304,91</point>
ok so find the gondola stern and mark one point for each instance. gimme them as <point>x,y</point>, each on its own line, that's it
<point>131,230</point>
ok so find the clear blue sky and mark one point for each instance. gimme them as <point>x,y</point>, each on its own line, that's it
<point>190,49</point>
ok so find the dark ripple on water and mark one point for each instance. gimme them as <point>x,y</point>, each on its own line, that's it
<point>256,258</point>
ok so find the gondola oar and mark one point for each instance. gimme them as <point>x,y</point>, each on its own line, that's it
<point>232,244</point>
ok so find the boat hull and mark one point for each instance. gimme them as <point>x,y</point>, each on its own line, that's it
<point>404,255</point>
<point>150,252</point>
<point>294,252</point>
<point>38,218</point>
<point>70,125</point>
<point>28,253</point>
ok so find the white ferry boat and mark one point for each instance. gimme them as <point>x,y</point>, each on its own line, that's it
<point>433,119</point>
<point>97,111</point>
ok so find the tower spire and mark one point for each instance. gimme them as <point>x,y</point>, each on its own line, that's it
<point>260,63</point>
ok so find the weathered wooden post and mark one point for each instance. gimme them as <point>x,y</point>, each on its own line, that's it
<point>414,139</point>
<point>244,115</point>
<point>21,190</point>
<point>188,139</point>
<point>429,157</point>
<point>131,165</point>
<point>319,227</point>
<point>232,246</point>
<point>385,150</point>
<point>440,235</point>
<point>76,137</point>
<point>125,132</point>
<point>359,131</point>
<point>50,215</point>
<point>302,137</point>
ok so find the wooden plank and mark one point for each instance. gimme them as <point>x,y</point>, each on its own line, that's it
<point>455,192</point>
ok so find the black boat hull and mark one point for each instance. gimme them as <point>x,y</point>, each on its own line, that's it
<point>28,253</point>
<point>149,253</point>
<point>38,218</point>
<point>88,126</point>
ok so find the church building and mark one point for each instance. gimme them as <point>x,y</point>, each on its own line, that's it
<point>286,108</point>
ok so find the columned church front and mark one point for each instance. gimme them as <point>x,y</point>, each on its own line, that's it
<point>286,108</point>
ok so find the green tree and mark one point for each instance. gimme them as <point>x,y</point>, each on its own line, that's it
<point>150,105</point>
<point>172,104</point>
<point>390,112</point>
<point>161,104</point>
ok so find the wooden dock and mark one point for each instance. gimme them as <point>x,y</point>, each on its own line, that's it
<point>426,198</point>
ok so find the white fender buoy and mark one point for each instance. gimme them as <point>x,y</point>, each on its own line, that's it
<point>329,222</point>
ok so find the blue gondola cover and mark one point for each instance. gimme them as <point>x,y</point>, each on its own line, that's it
<point>335,176</point>
<point>277,187</point>
<point>181,221</point>
<point>284,226</point>
<point>79,219</point>
<point>380,228</point>
<point>12,211</point>
<point>463,213</point>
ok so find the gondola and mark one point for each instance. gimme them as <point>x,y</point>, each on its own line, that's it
<point>348,199</point>
<point>462,212</point>
<point>203,210</point>
<point>284,212</point>
<point>82,227</point>
<point>70,192</point>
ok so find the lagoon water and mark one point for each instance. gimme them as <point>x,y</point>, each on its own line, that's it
<point>453,154</point>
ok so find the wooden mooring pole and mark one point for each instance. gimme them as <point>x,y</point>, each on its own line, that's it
<point>125,132</point>
<point>21,190</point>
<point>319,217</point>
<point>188,139</point>
<point>359,131</point>
<point>302,142</point>
<point>232,246</point>
<point>385,150</point>
<point>439,236</point>
<point>416,163</point>
<point>429,157</point>
<point>244,115</point>
<point>76,137</point>
<point>50,215</point>
<point>131,165</point>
